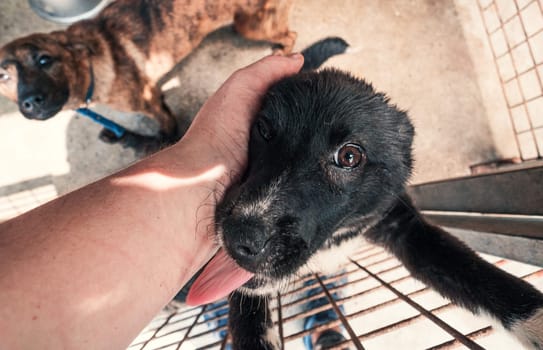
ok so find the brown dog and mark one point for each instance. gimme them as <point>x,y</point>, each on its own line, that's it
<point>115,60</point>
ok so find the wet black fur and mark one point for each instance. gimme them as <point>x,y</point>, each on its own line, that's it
<point>449,266</point>
<point>311,116</point>
<point>293,197</point>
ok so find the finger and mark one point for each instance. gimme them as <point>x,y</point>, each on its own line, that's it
<point>227,115</point>
<point>268,70</point>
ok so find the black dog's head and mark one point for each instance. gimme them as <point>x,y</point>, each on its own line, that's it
<point>327,156</point>
<point>41,72</point>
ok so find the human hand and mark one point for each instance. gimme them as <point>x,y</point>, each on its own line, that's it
<point>220,130</point>
<point>211,155</point>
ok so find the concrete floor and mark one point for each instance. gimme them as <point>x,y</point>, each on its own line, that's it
<point>420,52</point>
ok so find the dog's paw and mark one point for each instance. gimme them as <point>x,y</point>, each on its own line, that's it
<point>530,331</point>
<point>108,136</point>
<point>284,43</point>
<point>142,145</point>
<point>271,339</point>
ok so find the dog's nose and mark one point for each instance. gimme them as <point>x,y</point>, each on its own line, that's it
<point>246,239</point>
<point>31,104</point>
<point>249,249</point>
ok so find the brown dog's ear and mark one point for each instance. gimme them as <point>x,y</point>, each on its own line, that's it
<point>80,48</point>
<point>60,37</point>
<point>81,41</point>
<point>70,42</point>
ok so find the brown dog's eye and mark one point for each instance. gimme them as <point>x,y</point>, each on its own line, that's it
<point>44,60</point>
<point>350,156</point>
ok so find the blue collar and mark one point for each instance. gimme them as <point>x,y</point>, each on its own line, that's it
<point>87,112</point>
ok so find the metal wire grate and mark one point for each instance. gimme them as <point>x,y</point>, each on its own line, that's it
<point>378,304</point>
<point>515,31</point>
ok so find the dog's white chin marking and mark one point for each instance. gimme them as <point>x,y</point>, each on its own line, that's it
<point>530,331</point>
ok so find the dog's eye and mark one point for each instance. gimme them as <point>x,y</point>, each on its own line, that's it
<point>350,156</point>
<point>44,60</point>
<point>264,129</point>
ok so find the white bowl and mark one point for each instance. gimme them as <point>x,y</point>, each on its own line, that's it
<point>67,11</point>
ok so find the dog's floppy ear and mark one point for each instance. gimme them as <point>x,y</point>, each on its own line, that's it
<point>63,44</point>
<point>75,42</point>
<point>60,37</point>
<point>63,39</point>
<point>80,48</point>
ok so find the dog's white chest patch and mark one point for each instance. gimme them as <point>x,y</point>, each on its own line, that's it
<point>328,261</point>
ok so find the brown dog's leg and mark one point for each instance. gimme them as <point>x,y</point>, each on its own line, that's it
<point>169,134</point>
<point>269,23</point>
<point>157,109</point>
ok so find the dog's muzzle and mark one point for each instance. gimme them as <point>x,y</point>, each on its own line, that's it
<point>263,248</point>
<point>34,106</point>
<point>246,240</point>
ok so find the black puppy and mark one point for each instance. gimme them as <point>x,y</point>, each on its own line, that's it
<point>329,159</point>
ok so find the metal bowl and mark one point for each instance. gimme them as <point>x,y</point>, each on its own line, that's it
<point>67,11</point>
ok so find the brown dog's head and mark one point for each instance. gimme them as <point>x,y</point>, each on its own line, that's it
<point>43,73</point>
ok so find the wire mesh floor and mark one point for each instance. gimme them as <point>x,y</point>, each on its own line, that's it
<point>379,306</point>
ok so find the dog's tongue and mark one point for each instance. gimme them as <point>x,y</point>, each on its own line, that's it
<point>220,277</point>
